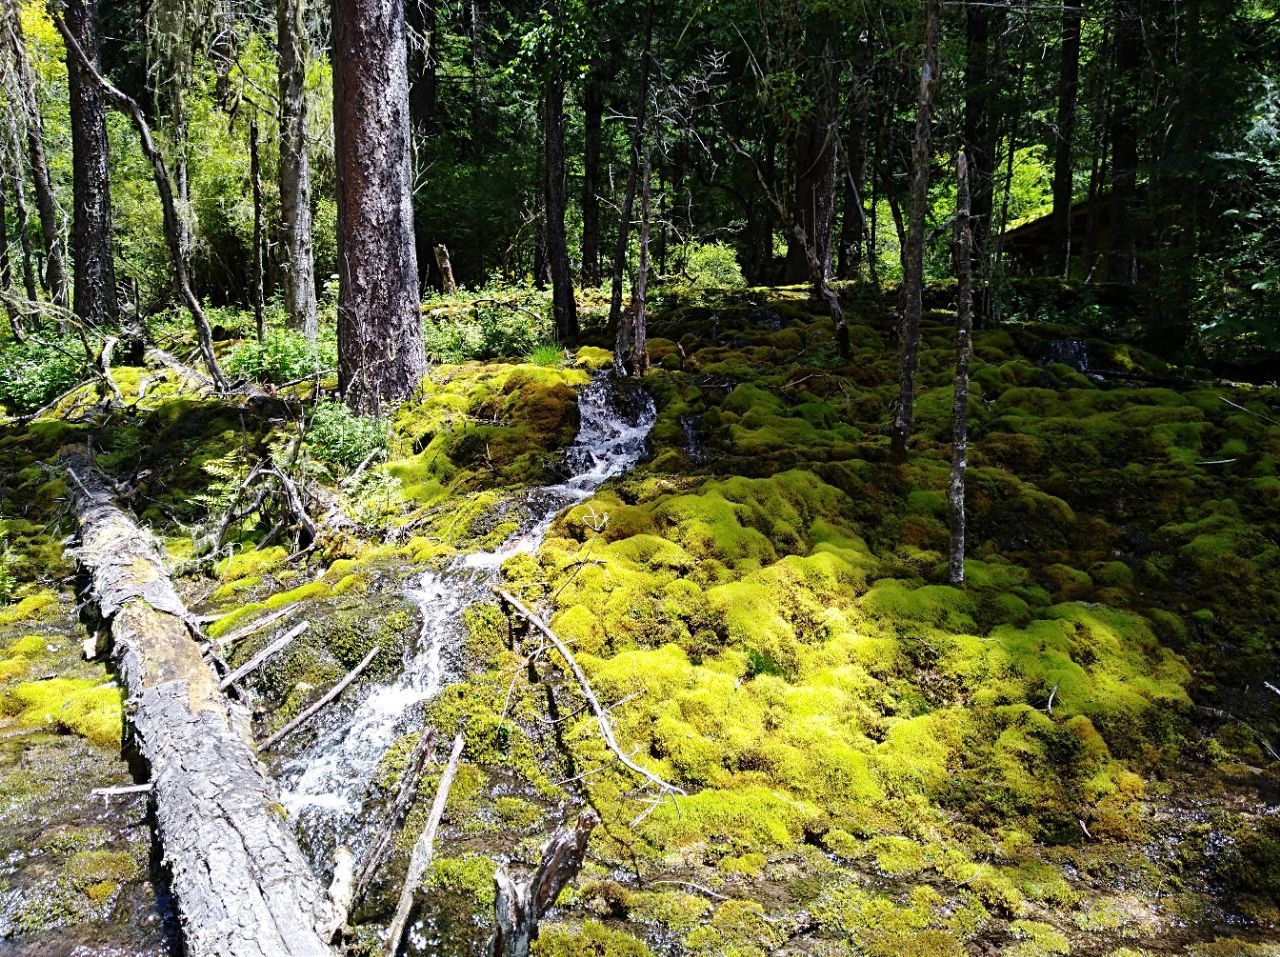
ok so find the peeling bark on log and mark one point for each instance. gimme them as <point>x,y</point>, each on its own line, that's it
<point>519,907</point>
<point>242,885</point>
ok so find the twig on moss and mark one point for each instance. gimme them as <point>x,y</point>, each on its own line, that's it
<point>310,713</point>
<point>602,716</point>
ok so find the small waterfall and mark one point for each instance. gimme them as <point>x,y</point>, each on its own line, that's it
<point>325,786</point>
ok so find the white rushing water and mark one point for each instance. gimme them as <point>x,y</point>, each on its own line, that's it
<point>327,783</point>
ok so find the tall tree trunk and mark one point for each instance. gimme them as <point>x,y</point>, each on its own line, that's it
<point>293,47</point>
<point>1123,262</point>
<point>6,268</point>
<point>633,178</point>
<point>960,402</point>
<point>424,59</point>
<point>172,223</point>
<point>913,259</point>
<point>1064,151</point>
<point>563,306</point>
<point>592,122</point>
<point>55,277</point>
<point>255,174</point>
<point>637,362</point>
<point>91,238</point>
<point>380,350</point>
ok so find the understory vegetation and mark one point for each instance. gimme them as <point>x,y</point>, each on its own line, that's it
<point>1070,754</point>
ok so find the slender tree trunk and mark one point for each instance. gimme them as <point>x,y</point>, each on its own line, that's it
<point>6,268</point>
<point>563,306</point>
<point>55,277</point>
<point>984,28</point>
<point>638,361</point>
<point>633,177</point>
<point>22,224</point>
<point>1123,264</point>
<point>255,173</point>
<point>913,260</point>
<point>811,158</point>
<point>173,231</point>
<point>853,223</point>
<point>1064,151</point>
<point>293,48</point>
<point>91,237</point>
<point>960,403</point>
<point>995,290</point>
<point>421,16</point>
<point>380,350</point>
<point>592,120</point>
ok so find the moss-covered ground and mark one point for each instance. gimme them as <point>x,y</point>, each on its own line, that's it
<point>1072,754</point>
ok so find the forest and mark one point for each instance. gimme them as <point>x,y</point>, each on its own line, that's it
<point>667,478</point>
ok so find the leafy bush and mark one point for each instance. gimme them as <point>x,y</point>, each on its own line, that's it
<point>340,437</point>
<point>32,373</point>
<point>488,330</point>
<point>712,266</point>
<point>285,356</point>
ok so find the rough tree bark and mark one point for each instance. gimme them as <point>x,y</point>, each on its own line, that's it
<point>592,126</point>
<point>55,277</point>
<point>913,252</point>
<point>632,355</point>
<point>555,201</point>
<point>21,221</point>
<point>242,885</point>
<point>853,221</point>
<point>6,267</point>
<point>380,351</point>
<point>960,402</point>
<point>173,228</point>
<point>445,265</point>
<point>633,177</point>
<point>519,907</point>
<point>1064,150</point>
<point>95,274</point>
<point>299,273</point>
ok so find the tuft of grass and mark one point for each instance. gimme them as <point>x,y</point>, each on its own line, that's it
<point>546,354</point>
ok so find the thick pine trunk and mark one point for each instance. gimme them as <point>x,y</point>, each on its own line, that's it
<point>592,124</point>
<point>562,302</point>
<point>91,239</point>
<point>242,885</point>
<point>1064,151</point>
<point>295,168</point>
<point>380,350</point>
<point>55,277</point>
<point>913,253</point>
<point>1123,262</point>
<point>960,402</point>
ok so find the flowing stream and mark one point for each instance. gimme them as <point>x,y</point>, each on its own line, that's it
<point>326,785</point>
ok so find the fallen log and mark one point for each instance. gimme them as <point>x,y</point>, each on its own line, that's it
<point>242,885</point>
<point>380,848</point>
<point>423,850</point>
<point>519,907</point>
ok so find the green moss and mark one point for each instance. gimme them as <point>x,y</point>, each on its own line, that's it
<point>675,910</point>
<point>32,608</point>
<point>471,875</point>
<point>1037,939</point>
<point>30,646</point>
<point>88,708</point>
<point>589,939</point>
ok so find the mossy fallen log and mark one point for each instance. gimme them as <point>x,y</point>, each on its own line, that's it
<point>242,885</point>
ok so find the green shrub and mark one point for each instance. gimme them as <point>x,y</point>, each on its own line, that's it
<point>7,582</point>
<point>712,266</point>
<point>340,437</point>
<point>285,356</point>
<point>33,373</point>
<point>489,330</point>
